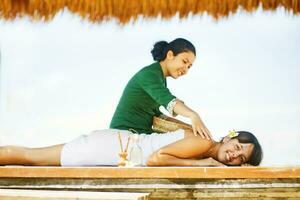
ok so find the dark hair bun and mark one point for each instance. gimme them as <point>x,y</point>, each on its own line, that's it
<point>159,50</point>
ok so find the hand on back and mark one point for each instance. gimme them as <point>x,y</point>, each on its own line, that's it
<point>199,128</point>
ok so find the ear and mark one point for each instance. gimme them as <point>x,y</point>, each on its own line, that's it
<point>226,139</point>
<point>170,55</point>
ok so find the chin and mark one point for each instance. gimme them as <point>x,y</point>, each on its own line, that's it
<point>175,76</point>
<point>222,159</point>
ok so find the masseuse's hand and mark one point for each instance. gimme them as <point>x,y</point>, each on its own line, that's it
<point>199,128</point>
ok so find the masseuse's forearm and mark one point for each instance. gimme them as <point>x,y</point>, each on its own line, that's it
<point>181,109</point>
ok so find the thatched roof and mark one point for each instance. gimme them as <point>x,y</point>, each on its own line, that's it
<point>125,10</point>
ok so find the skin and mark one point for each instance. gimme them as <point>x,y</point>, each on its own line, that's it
<point>17,155</point>
<point>176,66</point>
<point>179,65</point>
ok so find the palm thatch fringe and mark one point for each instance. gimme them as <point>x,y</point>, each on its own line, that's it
<point>126,10</point>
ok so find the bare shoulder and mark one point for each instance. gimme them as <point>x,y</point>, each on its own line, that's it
<point>199,142</point>
<point>189,135</point>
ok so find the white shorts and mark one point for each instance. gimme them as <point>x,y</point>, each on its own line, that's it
<point>102,147</point>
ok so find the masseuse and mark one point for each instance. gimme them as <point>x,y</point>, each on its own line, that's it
<point>147,90</point>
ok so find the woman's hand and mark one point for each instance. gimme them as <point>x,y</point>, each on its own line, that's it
<point>247,165</point>
<point>212,162</point>
<point>199,127</point>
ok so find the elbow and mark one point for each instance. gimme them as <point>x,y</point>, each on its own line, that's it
<point>155,159</point>
<point>151,162</point>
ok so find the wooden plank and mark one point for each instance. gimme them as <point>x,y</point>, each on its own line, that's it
<point>228,193</point>
<point>151,172</point>
<point>16,194</point>
<point>135,184</point>
<point>168,189</point>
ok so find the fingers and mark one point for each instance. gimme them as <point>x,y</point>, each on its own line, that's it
<point>216,163</point>
<point>201,130</point>
<point>219,164</point>
<point>197,131</point>
<point>207,134</point>
<point>194,130</point>
<point>201,133</point>
<point>246,165</point>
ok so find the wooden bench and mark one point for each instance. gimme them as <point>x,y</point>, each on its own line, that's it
<point>161,182</point>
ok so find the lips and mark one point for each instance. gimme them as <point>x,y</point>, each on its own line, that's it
<point>180,73</point>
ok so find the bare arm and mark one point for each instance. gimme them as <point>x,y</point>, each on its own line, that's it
<point>168,160</point>
<point>182,153</point>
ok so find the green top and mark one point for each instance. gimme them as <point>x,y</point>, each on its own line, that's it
<point>140,101</point>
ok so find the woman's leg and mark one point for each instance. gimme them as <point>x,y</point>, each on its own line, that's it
<point>17,155</point>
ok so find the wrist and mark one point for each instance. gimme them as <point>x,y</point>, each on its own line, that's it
<point>193,114</point>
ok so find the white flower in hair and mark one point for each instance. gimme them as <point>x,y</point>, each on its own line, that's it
<point>232,133</point>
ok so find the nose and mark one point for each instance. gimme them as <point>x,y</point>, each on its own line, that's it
<point>185,69</point>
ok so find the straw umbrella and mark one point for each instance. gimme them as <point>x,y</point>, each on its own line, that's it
<point>125,10</point>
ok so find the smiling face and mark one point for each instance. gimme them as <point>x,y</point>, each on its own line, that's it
<point>180,64</point>
<point>232,152</point>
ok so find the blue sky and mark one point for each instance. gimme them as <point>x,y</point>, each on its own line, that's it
<point>64,78</point>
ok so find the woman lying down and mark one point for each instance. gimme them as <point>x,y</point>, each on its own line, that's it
<point>179,148</point>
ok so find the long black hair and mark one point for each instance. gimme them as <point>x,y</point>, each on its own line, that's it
<point>179,45</point>
<point>257,153</point>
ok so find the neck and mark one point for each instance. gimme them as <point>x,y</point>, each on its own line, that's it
<point>164,68</point>
<point>213,151</point>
